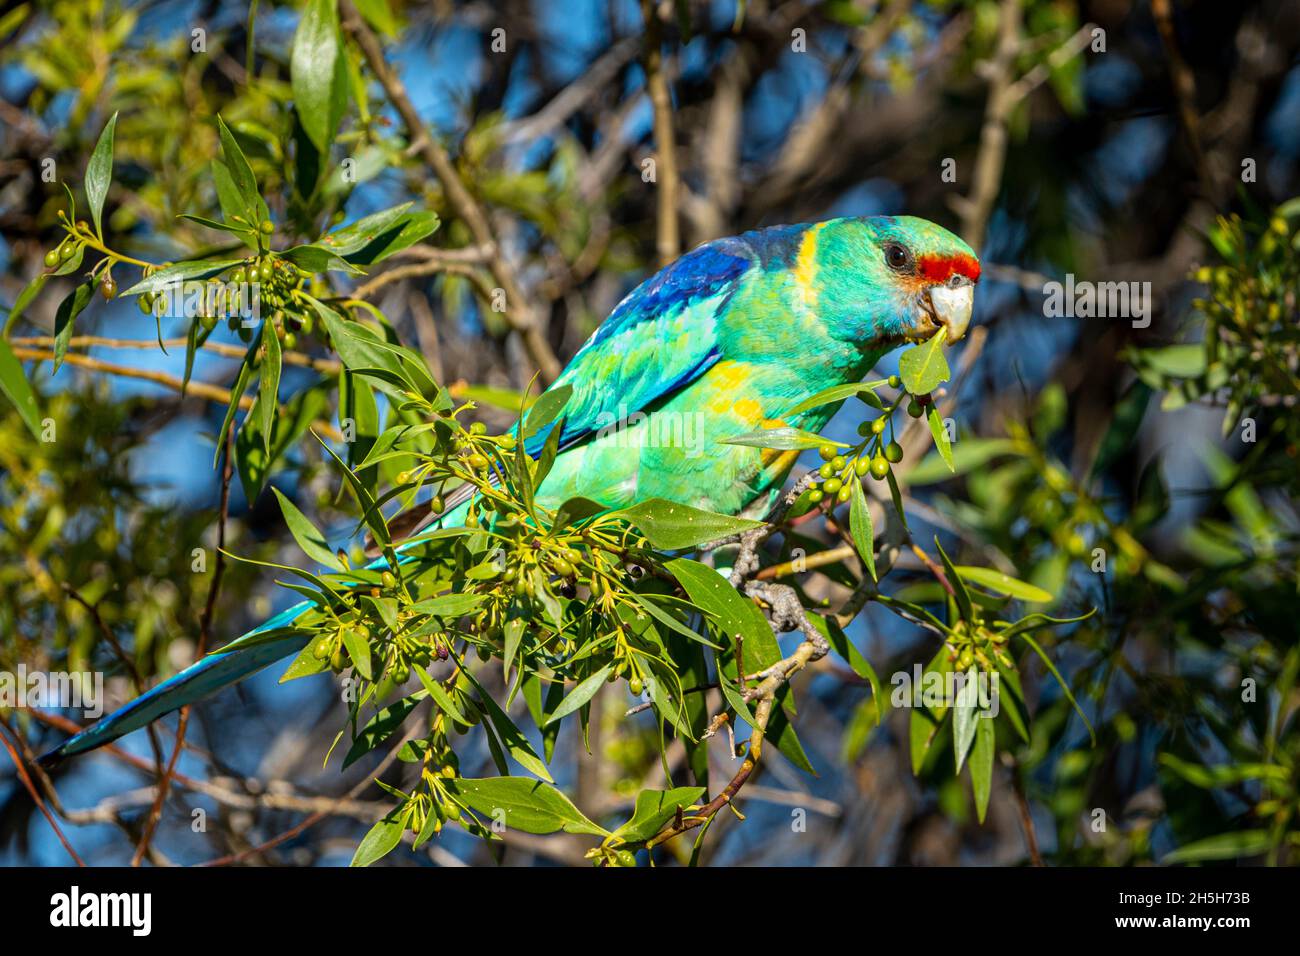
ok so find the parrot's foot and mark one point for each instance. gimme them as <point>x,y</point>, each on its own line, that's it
<point>788,614</point>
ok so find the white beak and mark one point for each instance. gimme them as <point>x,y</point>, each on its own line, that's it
<point>952,307</point>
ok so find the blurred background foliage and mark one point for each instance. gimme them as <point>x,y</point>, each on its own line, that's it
<point>1150,472</point>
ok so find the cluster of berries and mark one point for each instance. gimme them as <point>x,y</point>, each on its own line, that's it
<point>837,472</point>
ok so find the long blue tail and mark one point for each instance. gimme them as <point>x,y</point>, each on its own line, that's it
<point>239,659</point>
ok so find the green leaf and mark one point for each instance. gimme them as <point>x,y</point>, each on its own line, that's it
<point>1065,688</point>
<point>925,722</point>
<point>252,459</point>
<point>382,726</point>
<point>581,694</point>
<point>965,715</point>
<point>99,173</point>
<point>860,527</point>
<point>842,646</point>
<point>733,613</point>
<point>253,208</point>
<point>780,731</point>
<point>784,438</point>
<point>545,410</point>
<point>410,229</point>
<point>1000,583</point>
<point>359,650</point>
<point>654,808</point>
<point>576,509</point>
<point>268,390</point>
<point>981,764</point>
<point>361,233</point>
<point>15,385</point>
<point>960,594</point>
<point>511,736</point>
<point>305,664</point>
<point>940,434</point>
<point>236,393</point>
<point>837,393</point>
<point>671,526</point>
<point>1225,846</point>
<point>317,74</point>
<point>65,319</point>
<point>449,605</point>
<point>528,805</point>
<point>379,842</point>
<point>923,368</point>
<point>25,298</point>
<point>311,541</point>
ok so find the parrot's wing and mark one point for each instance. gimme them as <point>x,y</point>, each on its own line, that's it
<point>661,337</point>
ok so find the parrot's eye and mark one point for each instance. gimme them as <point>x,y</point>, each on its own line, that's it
<point>897,257</point>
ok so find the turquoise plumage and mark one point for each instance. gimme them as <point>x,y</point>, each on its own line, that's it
<point>728,339</point>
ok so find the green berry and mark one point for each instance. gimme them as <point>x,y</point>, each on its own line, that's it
<point>635,686</point>
<point>68,250</point>
<point>238,275</point>
<point>478,428</point>
<point>832,486</point>
<point>267,227</point>
<point>914,408</point>
<point>290,340</point>
<point>478,462</point>
<point>572,555</point>
<point>826,470</point>
<point>816,495</point>
<point>878,426</point>
<point>844,494</point>
<point>265,270</point>
<point>838,463</point>
<point>387,579</point>
<point>895,381</point>
<point>51,258</point>
<point>827,451</point>
<point>879,467</point>
<point>437,504</point>
<point>321,649</point>
<point>208,322</point>
<point>143,302</point>
<point>562,567</point>
<point>894,452</point>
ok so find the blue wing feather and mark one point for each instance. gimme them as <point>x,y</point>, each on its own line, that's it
<point>672,313</point>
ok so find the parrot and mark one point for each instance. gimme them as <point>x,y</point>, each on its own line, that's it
<point>724,341</point>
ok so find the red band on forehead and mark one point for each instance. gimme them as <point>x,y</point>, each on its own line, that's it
<point>934,268</point>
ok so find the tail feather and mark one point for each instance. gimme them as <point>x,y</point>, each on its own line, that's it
<point>199,680</point>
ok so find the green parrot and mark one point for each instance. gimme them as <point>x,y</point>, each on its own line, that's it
<point>726,340</point>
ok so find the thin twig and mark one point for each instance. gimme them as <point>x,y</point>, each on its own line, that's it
<point>212,393</point>
<point>668,239</point>
<point>31,789</point>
